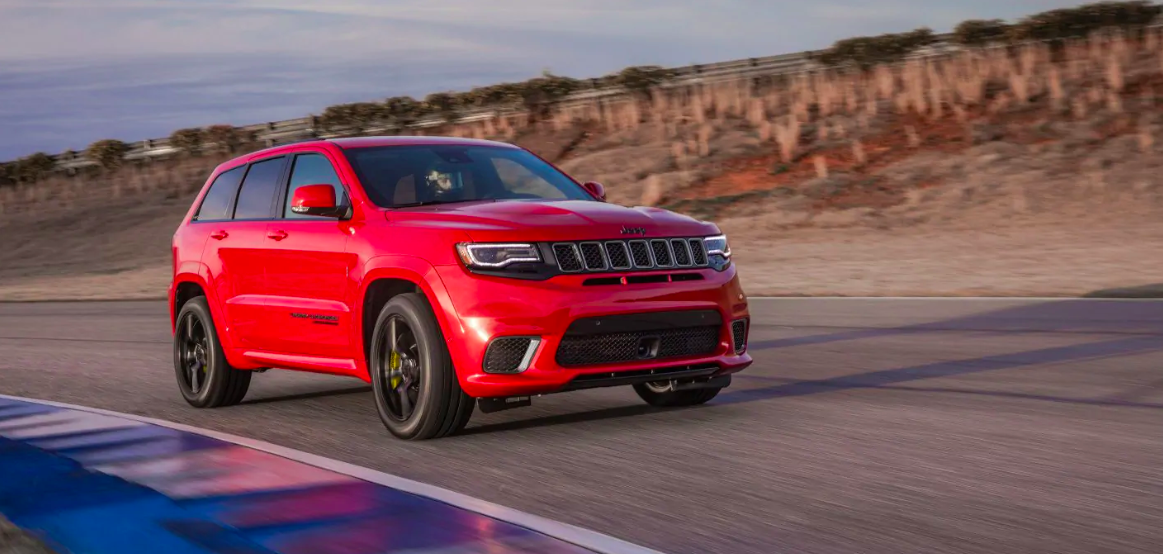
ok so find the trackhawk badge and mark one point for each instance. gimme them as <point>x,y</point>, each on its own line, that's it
<point>634,231</point>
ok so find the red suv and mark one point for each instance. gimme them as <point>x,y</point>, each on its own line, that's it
<point>448,273</point>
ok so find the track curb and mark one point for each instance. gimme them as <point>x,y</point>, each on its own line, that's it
<point>577,536</point>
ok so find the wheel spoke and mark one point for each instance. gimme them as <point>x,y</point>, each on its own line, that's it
<point>398,373</point>
<point>405,401</point>
<point>193,370</point>
<point>392,335</point>
<point>190,330</point>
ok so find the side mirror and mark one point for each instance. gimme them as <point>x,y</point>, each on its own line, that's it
<point>596,189</point>
<point>316,200</point>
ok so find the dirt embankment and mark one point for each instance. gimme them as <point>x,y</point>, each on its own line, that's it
<point>1033,172</point>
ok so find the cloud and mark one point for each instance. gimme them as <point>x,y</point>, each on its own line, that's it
<point>72,71</point>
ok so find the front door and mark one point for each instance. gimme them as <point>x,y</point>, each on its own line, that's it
<point>307,271</point>
<point>235,253</point>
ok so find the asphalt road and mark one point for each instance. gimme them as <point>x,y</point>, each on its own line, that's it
<point>868,426</point>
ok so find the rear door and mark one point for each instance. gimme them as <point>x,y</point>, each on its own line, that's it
<point>234,253</point>
<point>307,270</point>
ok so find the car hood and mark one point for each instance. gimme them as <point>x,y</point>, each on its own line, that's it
<point>515,220</point>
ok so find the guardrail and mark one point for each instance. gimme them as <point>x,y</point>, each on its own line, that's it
<point>305,128</point>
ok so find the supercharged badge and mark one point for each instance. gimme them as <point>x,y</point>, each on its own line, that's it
<point>317,318</point>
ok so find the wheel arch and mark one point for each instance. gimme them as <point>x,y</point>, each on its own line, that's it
<point>185,287</point>
<point>387,277</point>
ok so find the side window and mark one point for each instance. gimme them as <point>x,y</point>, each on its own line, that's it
<point>311,169</point>
<point>257,196</point>
<point>216,204</point>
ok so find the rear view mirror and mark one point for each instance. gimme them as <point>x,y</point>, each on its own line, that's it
<point>316,200</point>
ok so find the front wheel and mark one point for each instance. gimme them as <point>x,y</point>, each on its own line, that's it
<point>416,391</point>
<point>661,395</point>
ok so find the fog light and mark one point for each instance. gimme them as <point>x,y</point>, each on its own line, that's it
<point>510,354</point>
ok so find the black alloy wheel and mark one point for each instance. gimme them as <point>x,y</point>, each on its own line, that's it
<point>416,390</point>
<point>205,378</point>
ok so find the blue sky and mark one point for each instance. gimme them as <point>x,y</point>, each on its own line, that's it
<point>75,71</point>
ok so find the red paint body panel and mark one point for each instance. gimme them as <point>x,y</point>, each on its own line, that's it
<point>290,293</point>
<point>306,275</point>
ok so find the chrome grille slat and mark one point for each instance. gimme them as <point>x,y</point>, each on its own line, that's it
<point>640,251</point>
<point>568,257</point>
<point>594,256</point>
<point>681,251</point>
<point>698,252</point>
<point>618,254</point>
<point>663,257</point>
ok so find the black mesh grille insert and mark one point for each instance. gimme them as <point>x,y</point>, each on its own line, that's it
<point>619,255</point>
<point>739,335</point>
<point>505,354</point>
<point>641,253</point>
<point>625,347</point>
<point>567,257</point>
<point>698,251</point>
<point>661,253</point>
<point>681,256</point>
<point>592,255</point>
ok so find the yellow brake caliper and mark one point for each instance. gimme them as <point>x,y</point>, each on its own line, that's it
<point>394,369</point>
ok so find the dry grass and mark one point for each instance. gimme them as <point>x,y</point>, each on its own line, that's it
<point>978,138</point>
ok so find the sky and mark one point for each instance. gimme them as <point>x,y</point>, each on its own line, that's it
<point>76,71</point>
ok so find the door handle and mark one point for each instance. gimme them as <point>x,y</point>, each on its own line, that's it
<point>277,235</point>
<point>219,235</point>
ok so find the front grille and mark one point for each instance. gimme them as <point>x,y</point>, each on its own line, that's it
<point>505,354</point>
<point>739,335</point>
<point>617,255</point>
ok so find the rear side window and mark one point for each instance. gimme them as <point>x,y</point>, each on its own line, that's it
<point>311,169</point>
<point>257,197</point>
<point>216,204</point>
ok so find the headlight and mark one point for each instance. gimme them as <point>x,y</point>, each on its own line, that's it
<point>496,256</point>
<point>717,246</point>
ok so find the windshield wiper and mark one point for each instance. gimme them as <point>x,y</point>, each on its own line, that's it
<point>435,202</point>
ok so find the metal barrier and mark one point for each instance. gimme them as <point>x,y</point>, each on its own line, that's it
<point>304,128</point>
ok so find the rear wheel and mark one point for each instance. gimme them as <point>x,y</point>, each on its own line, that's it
<point>205,378</point>
<point>661,395</point>
<point>416,391</point>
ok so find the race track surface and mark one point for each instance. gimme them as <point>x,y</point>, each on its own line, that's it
<point>866,426</point>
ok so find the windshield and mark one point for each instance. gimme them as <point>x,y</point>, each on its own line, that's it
<point>400,176</point>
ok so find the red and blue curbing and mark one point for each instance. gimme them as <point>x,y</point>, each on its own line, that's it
<point>94,482</point>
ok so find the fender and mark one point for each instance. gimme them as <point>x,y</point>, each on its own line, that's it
<point>407,268</point>
<point>198,273</point>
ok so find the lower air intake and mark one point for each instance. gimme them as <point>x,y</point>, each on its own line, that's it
<point>610,348</point>
<point>508,355</point>
<point>739,335</point>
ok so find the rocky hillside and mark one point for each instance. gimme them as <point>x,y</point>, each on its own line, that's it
<point>1021,170</point>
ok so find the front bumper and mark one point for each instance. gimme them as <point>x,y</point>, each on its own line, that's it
<point>484,308</point>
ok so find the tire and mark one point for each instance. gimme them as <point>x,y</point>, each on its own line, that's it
<point>216,384</point>
<point>436,406</point>
<point>674,399</point>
